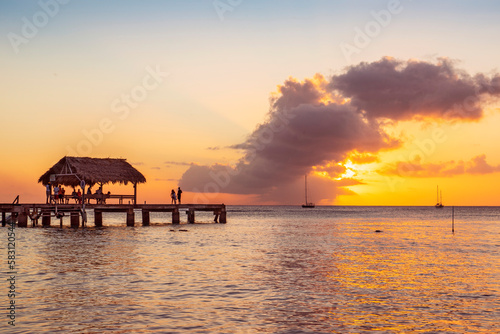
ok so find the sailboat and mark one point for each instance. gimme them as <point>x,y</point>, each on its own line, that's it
<point>439,200</point>
<point>307,204</point>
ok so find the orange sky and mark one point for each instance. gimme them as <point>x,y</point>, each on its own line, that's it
<point>183,94</point>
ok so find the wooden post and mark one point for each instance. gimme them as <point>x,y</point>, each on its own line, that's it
<point>83,212</point>
<point>190,214</point>
<point>75,219</point>
<point>145,217</point>
<point>175,216</point>
<point>135,193</point>
<point>45,218</point>
<point>22,220</point>
<point>98,218</point>
<point>130,217</point>
<point>222,218</point>
<point>34,216</point>
<point>4,220</point>
<point>453,219</point>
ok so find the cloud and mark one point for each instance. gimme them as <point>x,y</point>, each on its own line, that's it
<point>365,158</point>
<point>178,163</point>
<point>319,124</point>
<point>398,90</point>
<point>476,165</point>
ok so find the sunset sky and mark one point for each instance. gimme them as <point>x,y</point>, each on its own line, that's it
<point>378,102</point>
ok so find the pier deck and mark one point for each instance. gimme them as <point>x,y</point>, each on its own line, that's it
<point>21,212</point>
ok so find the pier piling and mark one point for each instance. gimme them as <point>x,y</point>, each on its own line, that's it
<point>145,218</point>
<point>222,218</point>
<point>75,219</point>
<point>190,214</point>
<point>175,216</point>
<point>22,219</point>
<point>45,218</point>
<point>130,217</point>
<point>97,218</point>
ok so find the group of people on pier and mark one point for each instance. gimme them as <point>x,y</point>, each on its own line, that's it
<point>59,195</point>
<point>176,197</point>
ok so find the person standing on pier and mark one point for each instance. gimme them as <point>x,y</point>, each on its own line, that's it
<point>179,193</point>
<point>47,193</point>
<point>173,196</point>
<point>62,192</point>
<point>79,196</point>
<point>56,194</point>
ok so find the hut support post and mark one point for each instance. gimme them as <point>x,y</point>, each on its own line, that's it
<point>135,193</point>
<point>75,219</point>
<point>45,218</point>
<point>145,217</point>
<point>175,216</point>
<point>190,214</point>
<point>22,220</point>
<point>4,221</point>
<point>98,218</point>
<point>130,217</point>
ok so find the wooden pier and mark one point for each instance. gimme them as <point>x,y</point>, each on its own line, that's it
<point>22,213</point>
<point>85,172</point>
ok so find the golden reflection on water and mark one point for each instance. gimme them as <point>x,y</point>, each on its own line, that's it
<point>397,280</point>
<point>318,273</point>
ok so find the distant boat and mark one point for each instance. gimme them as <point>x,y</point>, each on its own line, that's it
<point>439,200</point>
<point>307,204</point>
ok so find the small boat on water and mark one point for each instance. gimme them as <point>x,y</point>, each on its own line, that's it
<point>439,200</point>
<point>307,204</point>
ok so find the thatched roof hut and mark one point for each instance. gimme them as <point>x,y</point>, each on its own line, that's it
<point>71,171</point>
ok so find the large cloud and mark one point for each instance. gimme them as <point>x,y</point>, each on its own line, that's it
<point>321,122</point>
<point>406,90</point>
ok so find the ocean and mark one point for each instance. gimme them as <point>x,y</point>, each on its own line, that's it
<point>270,269</point>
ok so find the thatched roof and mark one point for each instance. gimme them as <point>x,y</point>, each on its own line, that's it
<point>69,171</point>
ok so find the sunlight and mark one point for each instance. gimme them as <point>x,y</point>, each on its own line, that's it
<point>350,170</point>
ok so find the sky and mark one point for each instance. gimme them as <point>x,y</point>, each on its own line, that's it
<point>235,101</point>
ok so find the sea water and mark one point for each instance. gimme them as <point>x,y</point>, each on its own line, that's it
<point>270,269</point>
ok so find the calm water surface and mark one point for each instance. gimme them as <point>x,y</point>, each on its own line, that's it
<point>269,270</point>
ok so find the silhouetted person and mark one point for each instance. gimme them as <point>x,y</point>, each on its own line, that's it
<point>74,195</point>
<point>47,193</point>
<point>79,196</point>
<point>179,193</point>
<point>62,192</point>
<point>56,194</point>
<point>173,196</point>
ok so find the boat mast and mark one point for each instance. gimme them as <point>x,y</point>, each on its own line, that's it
<point>306,186</point>
<point>437,194</point>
